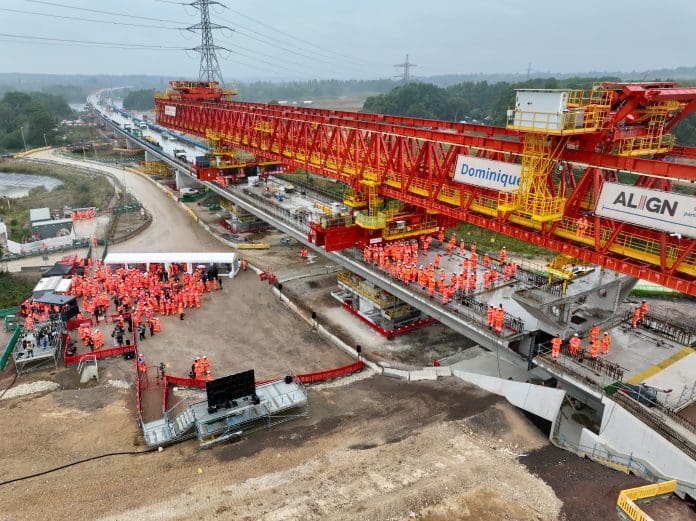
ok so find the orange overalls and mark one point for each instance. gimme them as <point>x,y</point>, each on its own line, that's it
<point>555,347</point>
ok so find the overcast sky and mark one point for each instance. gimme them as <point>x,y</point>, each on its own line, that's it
<point>305,39</point>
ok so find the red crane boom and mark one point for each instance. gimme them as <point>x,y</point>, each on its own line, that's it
<point>614,137</point>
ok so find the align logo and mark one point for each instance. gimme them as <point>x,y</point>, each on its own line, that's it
<point>643,202</point>
<point>667,211</point>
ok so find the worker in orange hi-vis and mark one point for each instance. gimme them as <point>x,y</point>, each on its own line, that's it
<point>486,261</point>
<point>574,344</point>
<point>636,317</point>
<point>431,287</point>
<point>473,247</point>
<point>594,333</point>
<point>441,235</point>
<point>643,309</point>
<point>438,258</point>
<point>499,319</point>
<point>244,264</point>
<point>472,281</point>
<point>462,247</point>
<point>594,348</point>
<point>606,342</point>
<point>556,347</point>
<point>490,315</point>
<point>181,310</point>
<point>503,254</point>
<point>205,365</point>
<point>581,227</point>
<point>208,376</point>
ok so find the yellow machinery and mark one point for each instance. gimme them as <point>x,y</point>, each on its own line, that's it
<point>159,168</point>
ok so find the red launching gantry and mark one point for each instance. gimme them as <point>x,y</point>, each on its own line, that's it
<point>593,174</point>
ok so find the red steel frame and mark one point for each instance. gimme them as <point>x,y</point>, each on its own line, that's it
<point>403,153</point>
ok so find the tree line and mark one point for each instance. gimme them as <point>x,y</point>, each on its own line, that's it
<point>35,115</point>
<point>483,102</point>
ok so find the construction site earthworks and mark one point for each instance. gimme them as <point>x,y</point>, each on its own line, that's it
<point>368,446</point>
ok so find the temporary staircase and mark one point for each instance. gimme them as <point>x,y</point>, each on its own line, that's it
<point>176,424</point>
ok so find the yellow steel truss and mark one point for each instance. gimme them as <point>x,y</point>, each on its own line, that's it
<point>534,197</point>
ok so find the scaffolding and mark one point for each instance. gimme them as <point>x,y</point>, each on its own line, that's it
<point>157,168</point>
<point>374,304</point>
<point>39,347</point>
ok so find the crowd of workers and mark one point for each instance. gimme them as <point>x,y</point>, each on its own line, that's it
<point>200,369</point>
<point>138,298</point>
<point>597,344</point>
<point>574,342</point>
<point>403,261</point>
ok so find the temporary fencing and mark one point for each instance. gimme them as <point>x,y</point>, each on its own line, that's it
<point>307,378</point>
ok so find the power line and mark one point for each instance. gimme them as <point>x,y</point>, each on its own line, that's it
<point>270,40</point>
<point>406,66</point>
<point>55,4</point>
<point>210,67</point>
<point>94,42</point>
<point>51,15</point>
<point>306,42</point>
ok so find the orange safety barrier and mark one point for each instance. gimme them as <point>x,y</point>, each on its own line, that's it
<point>74,323</point>
<point>306,378</point>
<point>102,353</point>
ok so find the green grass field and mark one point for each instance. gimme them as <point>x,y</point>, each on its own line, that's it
<point>487,241</point>
<point>15,288</point>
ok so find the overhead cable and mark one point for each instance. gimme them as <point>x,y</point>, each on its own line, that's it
<point>51,15</point>
<point>94,42</point>
<point>125,15</point>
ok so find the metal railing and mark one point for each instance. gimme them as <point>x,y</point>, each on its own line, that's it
<point>86,359</point>
<point>663,326</point>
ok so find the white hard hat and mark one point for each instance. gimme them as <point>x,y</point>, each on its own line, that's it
<point>576,334</point>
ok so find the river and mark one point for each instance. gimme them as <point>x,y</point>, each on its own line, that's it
<point>14,185</point>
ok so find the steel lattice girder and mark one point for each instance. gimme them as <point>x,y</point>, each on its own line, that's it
<point>415,164</point>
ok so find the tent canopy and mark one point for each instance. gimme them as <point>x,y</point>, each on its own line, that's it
<point>169,257</point>
<point>192,259</point>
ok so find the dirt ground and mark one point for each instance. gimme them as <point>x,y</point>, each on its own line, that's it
<point>373,449</point>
